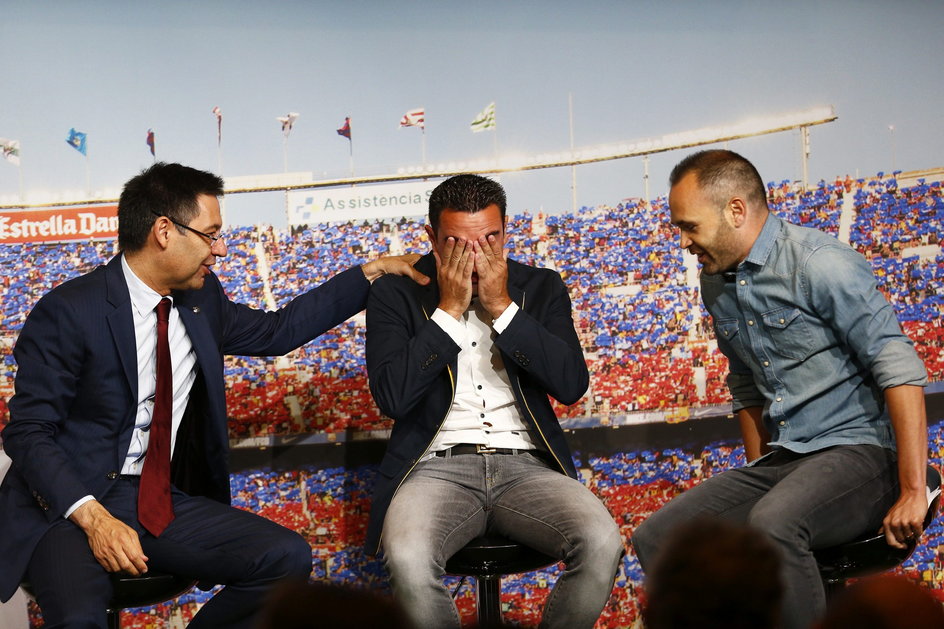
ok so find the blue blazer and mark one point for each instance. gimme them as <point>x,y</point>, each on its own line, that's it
<point>72,414</point>
<point>411,363</point>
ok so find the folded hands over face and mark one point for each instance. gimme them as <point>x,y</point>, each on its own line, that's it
<point>467,268</point>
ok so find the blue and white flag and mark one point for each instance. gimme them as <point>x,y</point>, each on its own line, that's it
<point>76,140</point>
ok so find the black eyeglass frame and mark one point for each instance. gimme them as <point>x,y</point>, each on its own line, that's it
<point>212,239</point>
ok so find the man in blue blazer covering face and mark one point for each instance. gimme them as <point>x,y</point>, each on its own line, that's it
<point>464,366</point>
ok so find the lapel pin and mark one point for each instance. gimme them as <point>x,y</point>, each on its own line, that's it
<point>196,310</point>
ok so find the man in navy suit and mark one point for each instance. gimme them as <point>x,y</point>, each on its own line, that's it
<point>464,366</point>
<point>81,416</point>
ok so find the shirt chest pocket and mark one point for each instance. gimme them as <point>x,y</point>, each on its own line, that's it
<point>788,332</point>
<point>726,331</point>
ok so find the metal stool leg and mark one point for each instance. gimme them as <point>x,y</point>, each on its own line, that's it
<point>489,601</point>
<point>114,619</point>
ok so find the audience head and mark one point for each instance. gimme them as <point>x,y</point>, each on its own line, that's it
<point>714,574</point>
<point>719,204</point>
<point>301,605</point>
<point>883,602</point>
<point>170,190</point>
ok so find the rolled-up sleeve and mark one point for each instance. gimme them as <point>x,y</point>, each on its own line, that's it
<point>843,291</point>
<point>898,363</point>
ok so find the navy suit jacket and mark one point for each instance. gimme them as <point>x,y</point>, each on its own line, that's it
<point>411,364</point>
<point>72,414</point>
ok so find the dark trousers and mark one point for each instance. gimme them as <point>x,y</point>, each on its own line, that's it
<point>208,541</point>
<point>801,501</point>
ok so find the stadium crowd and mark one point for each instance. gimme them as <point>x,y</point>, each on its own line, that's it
<point>637,312</point>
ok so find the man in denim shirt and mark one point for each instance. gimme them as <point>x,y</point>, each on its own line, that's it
<point>825,385</point>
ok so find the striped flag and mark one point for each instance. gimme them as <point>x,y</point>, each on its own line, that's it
<point>287,121</point>
<point>414,118</point>
<point>485,120</point>
<point>150,141</point>
<point>345,128</point>
<point>219,124</point>
<point>10,150</point>
<point>77,140</point>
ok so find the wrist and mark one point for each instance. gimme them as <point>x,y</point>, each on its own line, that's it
<point>88,515</point>
<point>372,270</point>
<point>497,307</point>
<point>452,310</point>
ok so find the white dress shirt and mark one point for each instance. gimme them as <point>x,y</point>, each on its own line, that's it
<point>182,359</point>
<point>484,410</point>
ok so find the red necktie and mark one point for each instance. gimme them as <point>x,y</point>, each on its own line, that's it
<point>155,509</point>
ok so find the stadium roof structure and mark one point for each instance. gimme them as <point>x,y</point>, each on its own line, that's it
<point>751,127</point>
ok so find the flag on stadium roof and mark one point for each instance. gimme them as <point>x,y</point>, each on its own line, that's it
<point>150,141</point>
<point>345,128</point>
<point>287,121</point>
<point>485,120</point>
<point>76,140</point>
<point>219,124</point>
<point>414,118</point>
<point>10,150</point>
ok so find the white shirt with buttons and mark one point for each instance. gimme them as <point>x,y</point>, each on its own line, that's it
<point>484,410</point>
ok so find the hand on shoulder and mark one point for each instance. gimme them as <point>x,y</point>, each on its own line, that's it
<point>395,265</point>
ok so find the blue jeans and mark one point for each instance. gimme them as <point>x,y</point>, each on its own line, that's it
<point>801,501</point>
<point>446,502</point>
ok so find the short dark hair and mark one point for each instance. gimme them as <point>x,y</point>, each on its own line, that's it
<point>465,193</point>
<point>713,573</point>
<point>169,190</point>
<point>723,174</point>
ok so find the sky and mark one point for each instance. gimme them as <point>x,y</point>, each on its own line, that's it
<point>633,70</point>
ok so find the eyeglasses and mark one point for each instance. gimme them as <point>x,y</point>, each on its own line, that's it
<point>212,239</point>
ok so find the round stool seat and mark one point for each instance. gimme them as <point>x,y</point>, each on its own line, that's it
<point>860,558</point>
<point>137,591</point>
<point>494,555</point>
<point>147,589</point>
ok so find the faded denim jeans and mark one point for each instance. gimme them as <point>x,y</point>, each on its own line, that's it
<point>801,501</point>
<point>446,502</point>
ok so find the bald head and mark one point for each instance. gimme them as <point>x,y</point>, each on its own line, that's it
<point>722,175</point>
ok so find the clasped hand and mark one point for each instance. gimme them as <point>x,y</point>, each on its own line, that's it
<point>454,269</point>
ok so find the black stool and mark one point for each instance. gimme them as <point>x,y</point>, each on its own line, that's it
<point>488,558</point>
<point>872,554</point>
<point>147,589</point>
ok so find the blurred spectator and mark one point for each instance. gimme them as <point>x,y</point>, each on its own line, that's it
<point>713,573</point>
<point>883,602</point>
<point>301,605</point>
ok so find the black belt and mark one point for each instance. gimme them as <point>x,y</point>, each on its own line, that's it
<point>477,448</point>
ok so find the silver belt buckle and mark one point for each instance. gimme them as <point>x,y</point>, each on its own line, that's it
<point>481,449</point>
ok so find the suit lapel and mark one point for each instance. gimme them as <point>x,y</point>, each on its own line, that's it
<point>515,280</point>
<point>429,294</point>
<point>121,321</point>
<point>202,339</point>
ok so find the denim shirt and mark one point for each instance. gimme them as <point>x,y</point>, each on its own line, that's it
<point>810,338</point>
